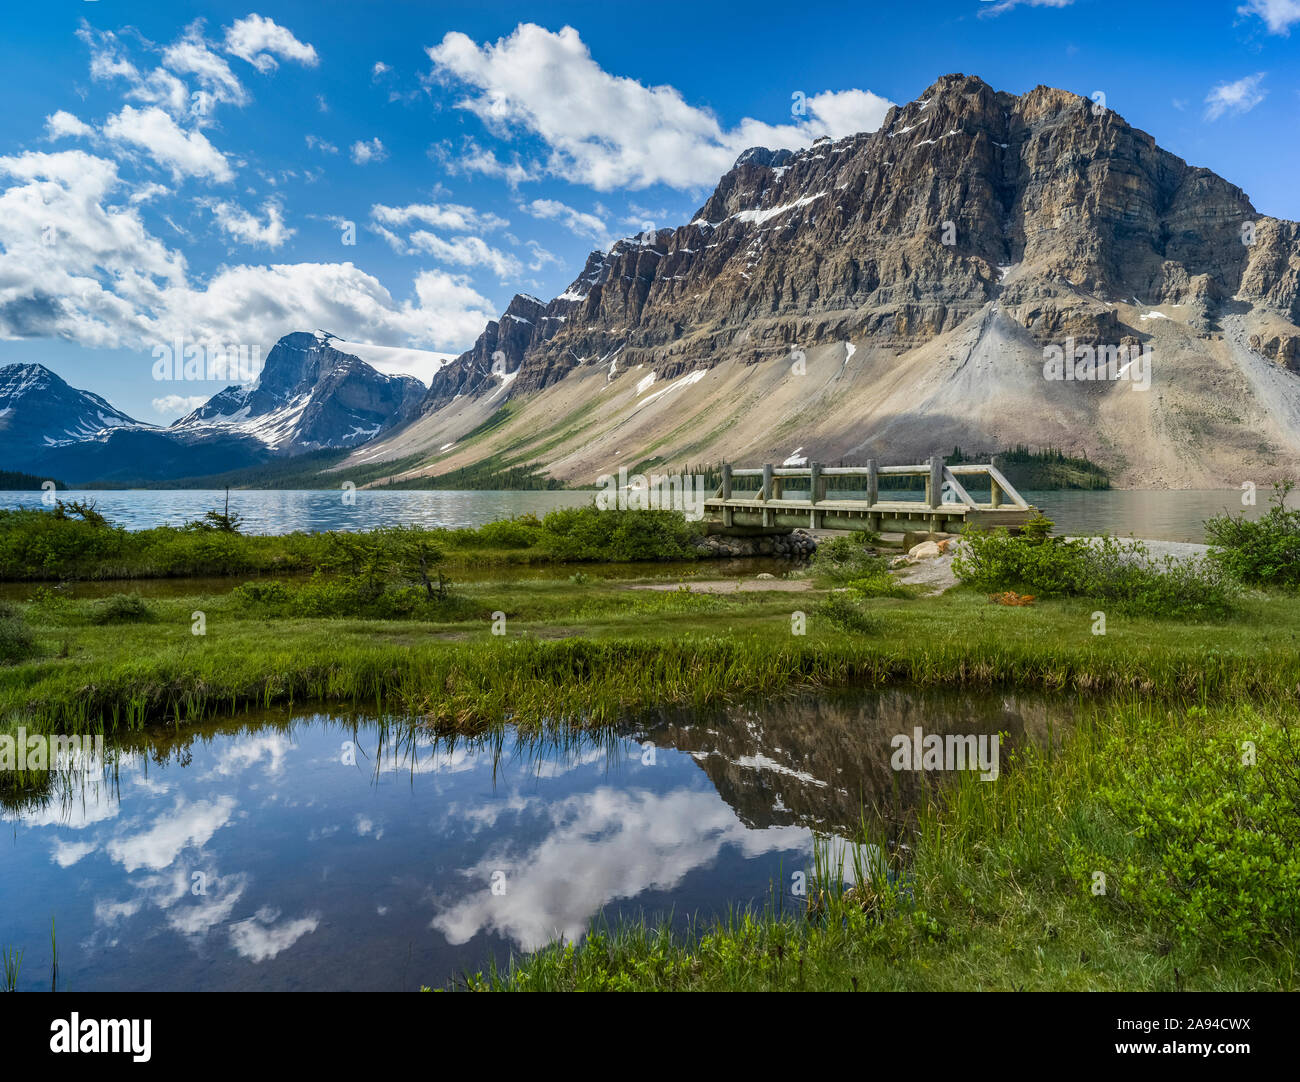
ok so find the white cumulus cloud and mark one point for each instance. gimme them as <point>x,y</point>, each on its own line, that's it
<point>185,153</point>
<point>243,226</point>
<point>467,252</point>
<point>177,404</point>
<point>64,123</point>
<point>609,131</point>
<point>260,40</point>
<point>580,222</point>
<point>1278,15</point>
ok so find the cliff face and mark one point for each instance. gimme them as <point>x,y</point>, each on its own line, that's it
<point>921,268</point>
<point>1045,202</point>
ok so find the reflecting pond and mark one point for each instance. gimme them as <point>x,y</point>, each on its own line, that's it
<point>320,852</point>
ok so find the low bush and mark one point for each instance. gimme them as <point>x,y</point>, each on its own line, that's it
<point>846,613</point>
<point>850,561</point>
<point>521,532</point>
<point>841,558</point>
<point>16,642</point>
<point>121,609</point>
<point>1213,820</point>
<point>1265,552</point>
<point>77,543</point>
<point>590,533</point>
<point>1123,574</point>
<point>346,596</point>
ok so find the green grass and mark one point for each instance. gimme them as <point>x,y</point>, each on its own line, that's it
<point>587,650</point>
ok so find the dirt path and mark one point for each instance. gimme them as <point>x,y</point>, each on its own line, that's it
<point>732,586</point>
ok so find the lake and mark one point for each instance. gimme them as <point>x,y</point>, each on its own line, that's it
<point>1165,515</point>
<point>309,851</point>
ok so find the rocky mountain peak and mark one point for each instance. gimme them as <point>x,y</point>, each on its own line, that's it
<point>310,395</point>
<point>38,409</point>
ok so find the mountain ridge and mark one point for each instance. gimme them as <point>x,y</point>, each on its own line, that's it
<point>973,228</point>
<point>308,397</point>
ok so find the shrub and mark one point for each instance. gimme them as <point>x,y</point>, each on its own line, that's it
<point>521,532</point>
<point>849,560</point>
<point>846,614</point>
<point>1265,552</point>
<point>121,609</point>
<point>1122,574</point>
<point>590,533</point>
<point>85,510</point>
<point>1214,824</point>
<point>845,557</point>
<point>332,596</point>
<point>262,594</point>
<point>219,521</point>
<point>36,544</point>
<point>16,641</point>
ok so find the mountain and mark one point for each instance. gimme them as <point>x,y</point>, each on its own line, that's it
<point>38,410</point>
<point>50,428</point>
<point>309,396</point>
<point>891,294</point>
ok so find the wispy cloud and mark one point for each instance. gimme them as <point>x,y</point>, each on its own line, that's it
<point>260,40</point>
<point>997,7</point>
<point>364,153</point>
<point>579,222</point>
<point>239,224</point>
<point>1238,97</point>
<point>1278,15</point>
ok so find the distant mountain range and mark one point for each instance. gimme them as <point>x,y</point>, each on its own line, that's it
<point>890,295</point>
<point>309,396</point>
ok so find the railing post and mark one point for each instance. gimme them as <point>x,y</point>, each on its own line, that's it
<point>767,483</point>
<point>934,484</point>
<point>995,493</point>
<point>726,480</point>
<point>815,483</point>
<point>873,482</point>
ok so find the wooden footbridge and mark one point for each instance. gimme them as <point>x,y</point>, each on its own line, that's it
<point>947,506</point>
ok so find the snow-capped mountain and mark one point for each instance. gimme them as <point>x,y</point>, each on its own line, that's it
<point>39,410</point>
<point>50,428</point>
<point>308,397</point>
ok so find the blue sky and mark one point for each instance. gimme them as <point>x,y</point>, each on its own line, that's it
<point>191,169</point>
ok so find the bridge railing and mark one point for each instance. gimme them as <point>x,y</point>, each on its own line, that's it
<point>941,482</point>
